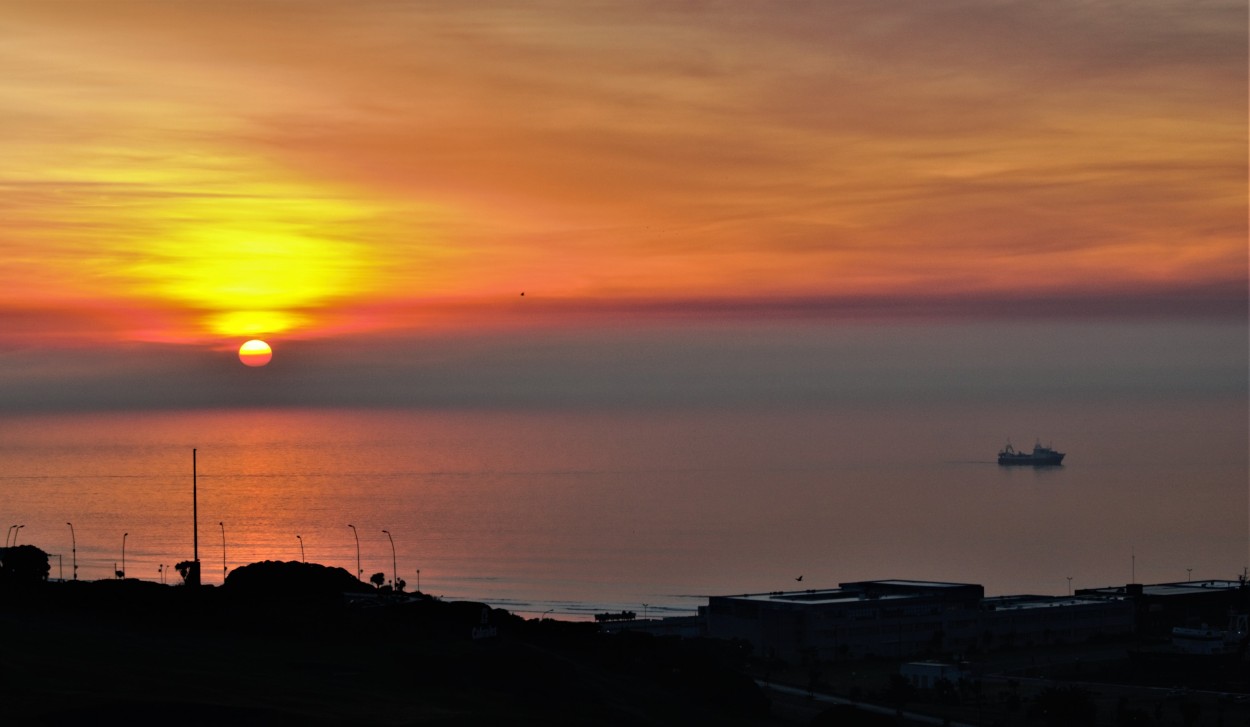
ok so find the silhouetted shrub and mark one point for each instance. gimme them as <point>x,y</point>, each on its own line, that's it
<point>23,564</point>
<point>275,580</point>
<point>189,570</point>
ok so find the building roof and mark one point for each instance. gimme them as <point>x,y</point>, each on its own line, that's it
<point>827,595</point>
<point>902,582</point>
<point>886,590</point>
<point>1169,589</point>
<point>1020,603</point>
<point>1172,589</point>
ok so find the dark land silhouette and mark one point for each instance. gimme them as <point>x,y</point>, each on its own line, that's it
<point>305,644</point>
<point>292,643</point>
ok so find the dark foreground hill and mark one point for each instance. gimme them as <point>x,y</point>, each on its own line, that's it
<point>299,644</point>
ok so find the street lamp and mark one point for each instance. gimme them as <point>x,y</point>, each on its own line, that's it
<point>359,573</point>
<point>73,549</point>
<point>16,528</point>
<point>222,523</point>
<point>1069,585</point>
<point>123,570</point>
<point>8,535</point>
<point>394,568</point>
<point>1189,574</point>
<point>418,580</point>
<point>301,549</point>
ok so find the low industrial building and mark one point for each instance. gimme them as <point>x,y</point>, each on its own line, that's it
<point>1186,604</point>
<point>907,618</point>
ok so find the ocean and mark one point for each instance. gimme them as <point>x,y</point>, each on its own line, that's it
<point>885,469</point>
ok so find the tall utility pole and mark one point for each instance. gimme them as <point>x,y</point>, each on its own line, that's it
<point>195,510</point>
<point>193,573</point>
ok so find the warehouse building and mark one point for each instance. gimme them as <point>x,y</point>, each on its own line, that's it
<point>907,618</point>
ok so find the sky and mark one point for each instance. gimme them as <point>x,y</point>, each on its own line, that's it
<point>178,177</point>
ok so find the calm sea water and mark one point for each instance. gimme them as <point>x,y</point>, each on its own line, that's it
<point>581,510</point>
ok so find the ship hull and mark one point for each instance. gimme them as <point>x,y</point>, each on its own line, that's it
<point>1039,457</point>
<point>1028,460</point>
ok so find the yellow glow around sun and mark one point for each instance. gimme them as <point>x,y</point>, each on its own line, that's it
<point>251,265</point>
<point>251,322</point>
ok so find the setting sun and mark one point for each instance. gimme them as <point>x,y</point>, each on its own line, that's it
<point>255,353</point>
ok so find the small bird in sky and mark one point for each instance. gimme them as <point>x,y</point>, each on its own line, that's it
<point>799,578</point>
<point>522,293</point>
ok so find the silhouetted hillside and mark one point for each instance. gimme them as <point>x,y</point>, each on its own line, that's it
<point>298,643</point>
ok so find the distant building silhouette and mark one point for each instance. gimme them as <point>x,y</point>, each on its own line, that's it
<point>906,618</point>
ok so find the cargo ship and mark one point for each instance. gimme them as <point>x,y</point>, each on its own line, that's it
<point>1039,457</point>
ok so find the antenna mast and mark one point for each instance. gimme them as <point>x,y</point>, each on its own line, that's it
<point>195,511</point>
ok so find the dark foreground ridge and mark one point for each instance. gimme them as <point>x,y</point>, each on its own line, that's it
<point>303,644</point>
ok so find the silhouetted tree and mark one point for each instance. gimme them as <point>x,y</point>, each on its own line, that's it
<point>378,579</point>
<point>185,569</point>
<point>23,564</point>
<point>399,585</point>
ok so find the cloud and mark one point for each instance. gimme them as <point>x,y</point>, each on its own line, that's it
<point>654,150</point>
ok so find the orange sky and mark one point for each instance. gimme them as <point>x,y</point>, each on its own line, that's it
<point>213,171</point>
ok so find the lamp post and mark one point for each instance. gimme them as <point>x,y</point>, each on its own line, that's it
<point>359,572</point>
<point>1189,574</point>
<point>16,529</point>
<point>222,523</point>
<point>418,580</point>
<point>394,561</point>
<point>8,535</point>
<point>73,549</point>
<point>194,579</point>
<point>301,549</point>
<point>123,570</point>
<point>1069,585</point>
